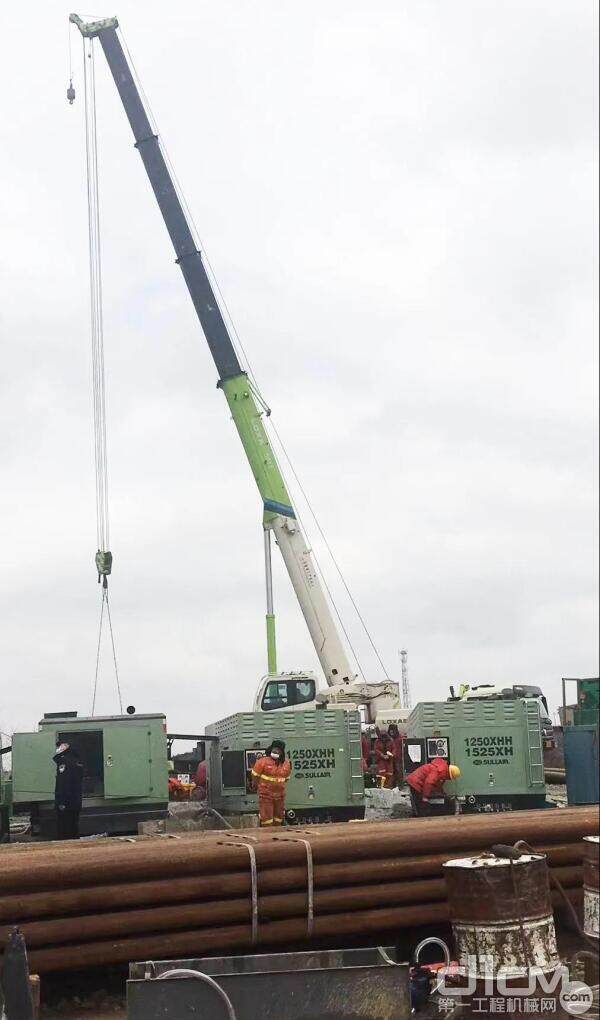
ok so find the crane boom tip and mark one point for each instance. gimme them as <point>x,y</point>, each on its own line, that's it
<point>92,28</point>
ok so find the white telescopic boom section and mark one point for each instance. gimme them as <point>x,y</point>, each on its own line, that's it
<point>315,607</point>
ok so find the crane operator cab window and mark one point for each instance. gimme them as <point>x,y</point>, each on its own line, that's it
<point>288,693</point>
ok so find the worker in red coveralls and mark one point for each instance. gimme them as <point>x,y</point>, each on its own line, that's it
<point>384,760</point>
<point>270,774</point>
<point>201,782</point>
<point>427,784</point>
<point>397,748</point>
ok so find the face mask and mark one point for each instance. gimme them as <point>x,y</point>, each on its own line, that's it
<point>276,755</point>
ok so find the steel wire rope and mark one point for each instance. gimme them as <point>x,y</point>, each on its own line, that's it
<point>112,641</point>
<point>97,325</point>
<point>238,345</point>
<point>69,29</point>
<point>98,655</point>
<point>97,338</point>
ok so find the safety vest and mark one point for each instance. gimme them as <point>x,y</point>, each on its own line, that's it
<point>267,770</point>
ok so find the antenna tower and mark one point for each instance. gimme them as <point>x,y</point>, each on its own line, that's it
<point>406,700</point>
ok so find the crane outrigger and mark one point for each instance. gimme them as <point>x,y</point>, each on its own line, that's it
<point>277,690</point>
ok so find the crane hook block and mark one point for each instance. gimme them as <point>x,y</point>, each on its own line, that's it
<point>71,92</point>
<point>103,564</point>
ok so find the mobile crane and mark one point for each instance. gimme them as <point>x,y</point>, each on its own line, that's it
<point>295,690</point>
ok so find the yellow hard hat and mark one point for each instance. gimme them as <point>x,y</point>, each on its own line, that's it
<point>454,772</point>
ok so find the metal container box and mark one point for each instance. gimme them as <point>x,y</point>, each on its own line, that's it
<point>497,745</point>
<point>323,746</point>
<point>125,765</point>
<point>337,984</point>
<point>581,764</point>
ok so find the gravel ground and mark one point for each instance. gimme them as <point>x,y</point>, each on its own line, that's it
<point>383,804</point>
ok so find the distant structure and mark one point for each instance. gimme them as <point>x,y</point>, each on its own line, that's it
<point>406,699</point>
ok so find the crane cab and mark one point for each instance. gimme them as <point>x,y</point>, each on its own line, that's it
<point>287,691</point>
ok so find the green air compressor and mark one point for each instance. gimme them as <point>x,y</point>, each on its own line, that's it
<point>323,746</point>
<point>125,771</point>
<point>496,744</point>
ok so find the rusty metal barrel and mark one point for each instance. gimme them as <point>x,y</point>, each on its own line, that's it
<point>591,895</point>
<point>501,913</point>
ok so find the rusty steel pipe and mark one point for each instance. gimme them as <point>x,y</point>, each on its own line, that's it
<point>61,902</point>
<point>556,776</point>
<point>85,864</point>
<point>335,927</point>
<point>204,914</point>
<point>339,830</point>
<point>188,943</point>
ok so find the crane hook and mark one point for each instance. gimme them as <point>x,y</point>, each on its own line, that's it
<point>71,92</point>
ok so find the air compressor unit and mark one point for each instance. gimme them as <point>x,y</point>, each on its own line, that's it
<point>497,744</point>
<point>125,765</point>
<point>323,746</point>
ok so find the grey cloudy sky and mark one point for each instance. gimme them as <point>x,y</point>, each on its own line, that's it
<point>399,202</point>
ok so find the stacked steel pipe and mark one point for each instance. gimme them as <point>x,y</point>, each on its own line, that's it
<point>106,901</point>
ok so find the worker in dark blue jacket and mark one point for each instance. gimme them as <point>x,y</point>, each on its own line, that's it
<point>68,791</point>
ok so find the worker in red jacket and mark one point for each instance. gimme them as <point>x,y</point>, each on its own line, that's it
<point>201,781</point>
<point>270,774</point>
<point>427,783</point>
<point>397,748</point>
<point>384,760</point>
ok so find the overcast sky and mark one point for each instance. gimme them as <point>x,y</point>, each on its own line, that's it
<point>399,202</point>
